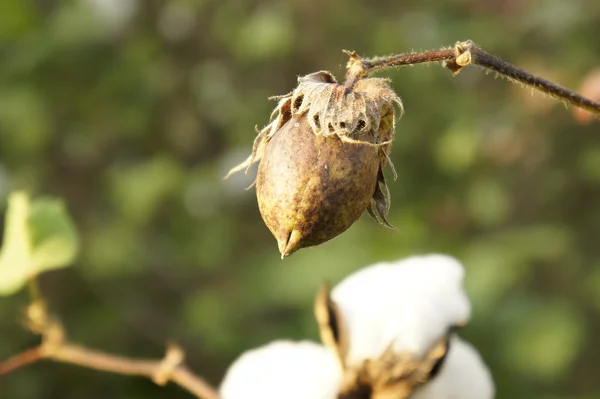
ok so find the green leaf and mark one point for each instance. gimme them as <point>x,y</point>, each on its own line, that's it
<point>14,255</point>
<point>38,236</point>
<point>53,236</point>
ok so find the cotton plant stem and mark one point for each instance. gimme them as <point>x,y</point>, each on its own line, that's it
<point>55,347</point>
<point>378,63</point>
<point>489,61</point>
<point>159,371</point>
<point>463,54</point>
<point>22,359</point>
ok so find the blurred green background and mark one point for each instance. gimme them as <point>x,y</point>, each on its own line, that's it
<point>133,111</point>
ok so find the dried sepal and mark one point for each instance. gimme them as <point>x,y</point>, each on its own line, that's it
<point>381,202</point>
<point>364,114</point>
<point>331,324</point>
<point>352,114</point>
<point>279,116</point>
<point>394,375</point>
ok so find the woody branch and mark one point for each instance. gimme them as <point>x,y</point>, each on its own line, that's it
<point>463,54</point>
<point>55,347</point>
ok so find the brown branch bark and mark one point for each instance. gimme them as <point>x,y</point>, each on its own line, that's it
<point>56,348</point>
<point>22,359</point>
<point>159,371</point>
<point>463,54</point>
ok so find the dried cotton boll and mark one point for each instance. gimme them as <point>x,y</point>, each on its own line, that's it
<point>311,188</point>
<point>322,158</point>
<point>283,369</point>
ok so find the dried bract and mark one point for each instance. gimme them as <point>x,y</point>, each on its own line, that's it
<point>322,157</point>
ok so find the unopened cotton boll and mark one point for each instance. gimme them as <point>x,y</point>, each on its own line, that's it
<point>405,306</point>
<point>283,369</point>
<point>464,375</point>
<point>322,157</point>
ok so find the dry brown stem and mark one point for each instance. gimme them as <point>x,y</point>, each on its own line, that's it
<point>55,347</point>
<point>464,54</point>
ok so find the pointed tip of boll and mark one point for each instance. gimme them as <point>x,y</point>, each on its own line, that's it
<point>289,243</point>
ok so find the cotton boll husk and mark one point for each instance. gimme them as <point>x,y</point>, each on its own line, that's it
<point>405,305</point>
<point>283,369</point>
<point>464,375</point>
<point>322,157</point>
<point>311,188</point>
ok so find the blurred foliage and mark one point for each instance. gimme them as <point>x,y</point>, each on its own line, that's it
<point>133,111</point>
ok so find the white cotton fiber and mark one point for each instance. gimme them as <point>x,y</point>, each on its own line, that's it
<point>463,376</point>
<point>406,305</point>
<point>283,369</point>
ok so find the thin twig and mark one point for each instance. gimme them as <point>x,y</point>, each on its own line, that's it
<point>56,348</point>
<point>489,61</point>
<point>377,63</point>
<point>22,359</point>
<point>159,371</point>
<point>463,54</point>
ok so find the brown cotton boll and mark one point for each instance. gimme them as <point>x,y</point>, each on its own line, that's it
<point>322,158</point>
<point>312,188</point>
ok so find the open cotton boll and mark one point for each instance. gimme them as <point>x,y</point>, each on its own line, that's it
<point>283,369</point>
<point>464,375</point>
<point>405,305</point>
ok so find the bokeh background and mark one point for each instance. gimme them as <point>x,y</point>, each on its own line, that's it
<point>134,110</point>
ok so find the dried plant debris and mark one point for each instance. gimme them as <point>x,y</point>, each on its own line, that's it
<point>322,157</point>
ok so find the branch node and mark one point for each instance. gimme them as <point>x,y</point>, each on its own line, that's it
<point>37,316</point>
<point>355,69</point>
<point>462,57</point>
<point>173,359</point>
<point>53,338</point>
<point>463,53</point>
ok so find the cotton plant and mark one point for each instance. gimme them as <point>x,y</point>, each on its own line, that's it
<point>388,331</point>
